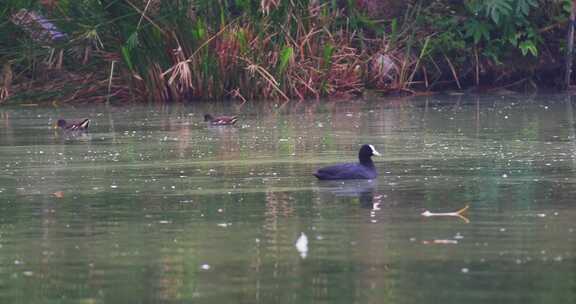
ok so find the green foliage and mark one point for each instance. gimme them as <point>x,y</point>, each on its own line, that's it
<point>242,41</point>
<point>477,30</point>
<point>132,41</point>
<point>450,39</point>
<point>507,21</point>
<point>393,31</point>
<point>327,53</point>
<point>500,11</point>
<point>527,46</point>
<point>199,30</point>
<point>497,9</point>
<point>285,56</point>
<point>127,58</point>
<point>496,28</point>
<point>241,46</point>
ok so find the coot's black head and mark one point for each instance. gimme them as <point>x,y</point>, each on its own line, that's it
<point>208,117</point>
<point>61,123</point>
<point>366,153</point>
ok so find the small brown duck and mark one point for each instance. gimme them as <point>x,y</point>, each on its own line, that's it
<point>74,125</point>
<point>220,120</point>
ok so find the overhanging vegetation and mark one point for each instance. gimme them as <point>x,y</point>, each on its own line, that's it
<point>180,50</point>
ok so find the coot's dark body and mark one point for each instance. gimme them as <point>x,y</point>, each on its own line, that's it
<point>364,169</point>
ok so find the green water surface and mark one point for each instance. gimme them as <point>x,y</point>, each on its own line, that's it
<point>153,206</point>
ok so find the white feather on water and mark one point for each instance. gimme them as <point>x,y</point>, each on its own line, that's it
<point>302,245</point>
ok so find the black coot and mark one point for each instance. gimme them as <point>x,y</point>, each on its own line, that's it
<point>363,170</point>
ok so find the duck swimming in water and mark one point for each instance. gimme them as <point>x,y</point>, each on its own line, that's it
<point>74,125</point>
<point>220,120</point>
<point>364,169</point>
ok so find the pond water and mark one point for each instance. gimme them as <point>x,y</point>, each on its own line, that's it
<point>153,206</point>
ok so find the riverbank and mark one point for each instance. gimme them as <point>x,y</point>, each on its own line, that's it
<point>179,51</point>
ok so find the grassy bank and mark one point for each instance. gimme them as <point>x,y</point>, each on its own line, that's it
<point>181,50</point>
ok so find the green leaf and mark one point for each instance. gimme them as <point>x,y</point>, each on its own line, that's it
<point>528,46</point>
<point>477,30</point>
<point>199,30</point>
<point>567,7</point>
<point>498,9</point>
<point>242,41</point>
<point>327,55</point>
<point>132,40</point>
<point>394,30</point>
<point>127,57</point>
<point>514,38</point>
<point>285,56</point>
<point>523,6</point>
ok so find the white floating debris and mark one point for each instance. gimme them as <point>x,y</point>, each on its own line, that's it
<point>440,242</point>
<point>224,225</point>
<point>458,213</point>
<point>302,245</point>
<point>205,267</point>
<point>465,270</point>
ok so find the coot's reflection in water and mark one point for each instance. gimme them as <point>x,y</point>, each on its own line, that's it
<point>364,190</point>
